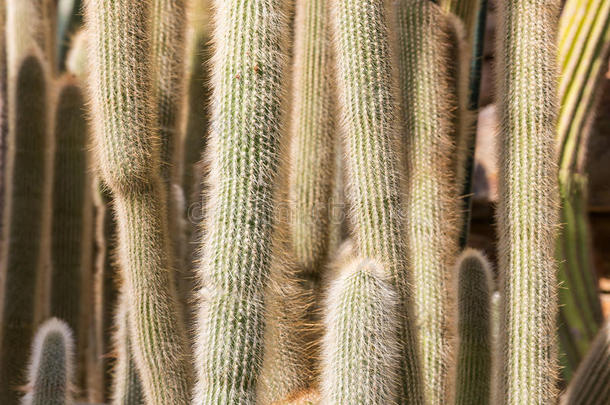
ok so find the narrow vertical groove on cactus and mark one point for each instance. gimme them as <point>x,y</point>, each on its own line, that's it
<point>361,351</point>
<point>370,125</point>
<point>26,217</point>
<point>126,384</point>
<point>243,152</point>
<point>528,203</point>
<point>591,383</point>
<point>128,151</point>
<point>428,43</point>
<point>51,366</point>
<point>3,123</point>
<point>474,351</point>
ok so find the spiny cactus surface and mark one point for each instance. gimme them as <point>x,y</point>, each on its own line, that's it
<point>128,149</point>
<point>527,212</point>
<point>370,133</point>
<point>244,156</point>
<point>51,367</point>
<point>474,351</point>
<point>427,47</point>
<point>360,355</point>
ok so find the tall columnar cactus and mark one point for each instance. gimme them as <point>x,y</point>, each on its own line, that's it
<point>591,383</point>
<point>51,366</point>
<point>71,221</point>
<point>371,131</point>
<point>289,343</point>
<point>312,141</point>
<point>474,351</point>
<point>26,218</point>
<point>361,351</point>
<point>244,156</point>
<point>527,212</point>
<point>126,383</point>
<point>128,149</point>
<point>427,44</point>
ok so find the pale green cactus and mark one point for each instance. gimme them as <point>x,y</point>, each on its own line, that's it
<point>371,129</point>
<point>244,152</point>
<point>528,200</point>
<point>427,45</point>
<point>474,314</point>
<point>360,348</point>
<point>51,367</point>
<point>26,213</point>
<point>591,383</point>
<point>128,152</point>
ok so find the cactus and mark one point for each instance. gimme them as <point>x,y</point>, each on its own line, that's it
<point>429,70</point>
<point>360,354</point>
<point>51,368</point>
<point>474,351</point>
<point>26,221</point>
<point>128,152</point>
<point>3,116</point>
<point>591,383</point>
<point>71,227</point>
<point>370,130</point>
<point>527,211</point>
<point>290,338</point>
<point>76,60</point>
<point>243,154</point>
<point>127,386</point>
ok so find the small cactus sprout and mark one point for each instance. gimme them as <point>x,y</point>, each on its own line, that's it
<point>26,214</point>
<point>528,200</point>
<point>126,384</point>
<point>428,44</point>
<point>244,153</point>
<point>371,126</point>
<point>128,152</point>
<point>50,371</point>
<point>591,383</point>
<point>474,351</point>
<point>361,352</point>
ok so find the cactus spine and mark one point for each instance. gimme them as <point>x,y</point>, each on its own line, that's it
<point>244,151</point>
<point>50,371</point>
<point>370,131</point>
<point>71,232</point>
<point>26,217</point>
<point>361,351</point>
<point>527,212</point>
<point>591,383</point>
<point>128,149</point>
<point>126,386</point>
<point>474,351</point>
<point>429,70</point>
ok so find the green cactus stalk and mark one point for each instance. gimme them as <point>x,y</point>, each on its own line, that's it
<point>361,351</point>
<point>591,383</point>
<point>126,384</point>
<point>528,203</point>
<point>474,351</point>
<point>26,218</point>
<point>244,152</point>
<point>128,152</point>
<point>71,221</point>
<point>428,44</point>
<point>51,368</point>
<point>290,336</point>
<point>371,129</point>
<point>312,159</point>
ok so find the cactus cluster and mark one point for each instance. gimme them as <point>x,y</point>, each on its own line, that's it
<point>265,202</point>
